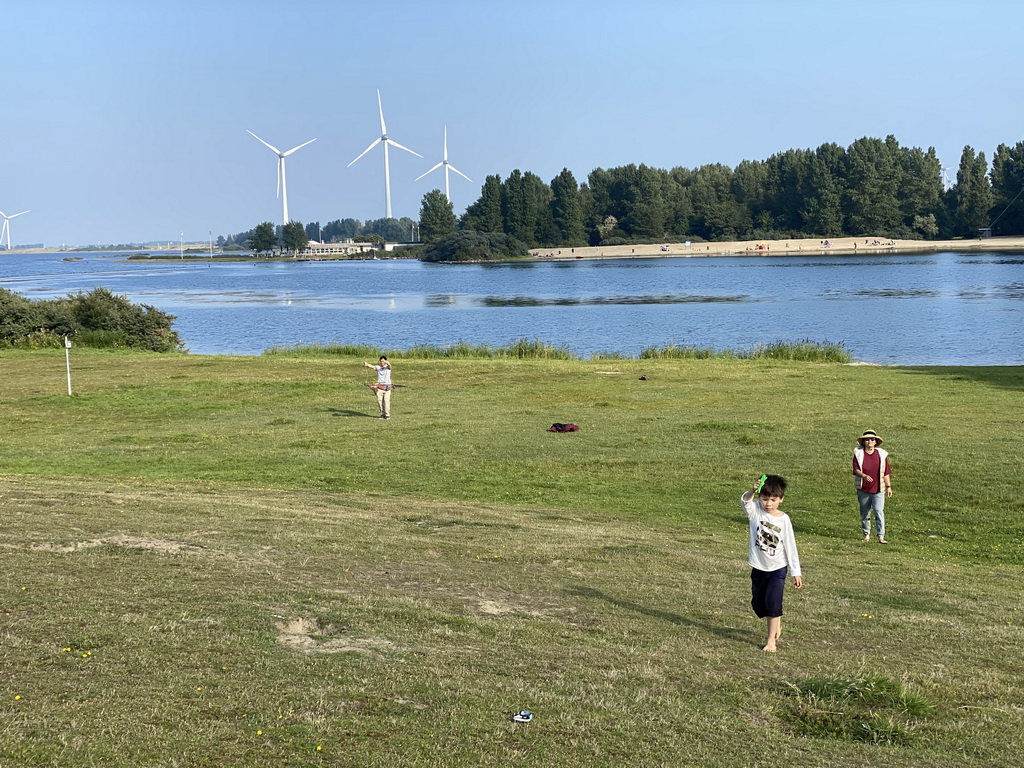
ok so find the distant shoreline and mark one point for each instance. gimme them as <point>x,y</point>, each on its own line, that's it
<point>836,246</point>
<point>846,246</point>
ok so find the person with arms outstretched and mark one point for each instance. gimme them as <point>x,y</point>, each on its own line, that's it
<point>383,386</point>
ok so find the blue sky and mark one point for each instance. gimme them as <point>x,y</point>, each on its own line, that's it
<point>126,121</point>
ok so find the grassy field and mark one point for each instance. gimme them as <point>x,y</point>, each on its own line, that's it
<point>220,561</point>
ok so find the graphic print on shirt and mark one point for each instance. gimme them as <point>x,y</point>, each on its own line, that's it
<point>768,537</point>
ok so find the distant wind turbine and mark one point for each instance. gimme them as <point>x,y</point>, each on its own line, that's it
<point>447,166</point>
<point>282,184</point>
<point>387,168</point>
<point>6,229</point>
<point>946,182</point>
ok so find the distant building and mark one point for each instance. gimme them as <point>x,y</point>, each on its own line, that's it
<point>348,248</point>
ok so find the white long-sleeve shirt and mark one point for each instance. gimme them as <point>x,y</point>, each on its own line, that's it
<point>772,542</point>
<point>383,375</point>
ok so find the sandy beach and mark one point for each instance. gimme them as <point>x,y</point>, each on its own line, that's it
<point>840,245</point>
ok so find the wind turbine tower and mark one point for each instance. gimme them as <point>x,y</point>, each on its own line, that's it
<point>6,229</point>
<point>947,184</point>
<point>447,166</point>
<point>282,183</point>
<point>387,168</point>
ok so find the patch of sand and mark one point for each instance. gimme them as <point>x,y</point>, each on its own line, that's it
<point>839,245</point>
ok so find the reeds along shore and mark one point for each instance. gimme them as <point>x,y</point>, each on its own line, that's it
<point>841,245</point>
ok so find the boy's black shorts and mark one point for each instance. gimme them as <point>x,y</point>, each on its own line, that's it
<point>766,590</point>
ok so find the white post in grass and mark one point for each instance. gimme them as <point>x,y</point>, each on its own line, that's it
<point>67,360</point>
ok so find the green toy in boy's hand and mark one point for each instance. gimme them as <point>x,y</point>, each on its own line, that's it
<point>760,483</point>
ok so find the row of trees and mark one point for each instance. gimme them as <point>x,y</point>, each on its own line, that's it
<point>872,187</point>
<point>266,237</point>
<point>337,231</point>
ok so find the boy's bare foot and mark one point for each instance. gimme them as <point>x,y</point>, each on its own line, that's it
<point>882,541</point>
<point>770,648</point>
<point>867,538</point>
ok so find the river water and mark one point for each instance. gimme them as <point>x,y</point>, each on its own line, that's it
<point>928,309</point>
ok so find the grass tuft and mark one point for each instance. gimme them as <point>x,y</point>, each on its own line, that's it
<point>803,351</point>
<point>869,708</point>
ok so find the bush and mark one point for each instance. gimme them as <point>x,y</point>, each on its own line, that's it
<point>474,246</point>
<point>97,318</point>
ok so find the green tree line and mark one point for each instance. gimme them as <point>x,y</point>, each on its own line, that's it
<point>873,187</point>
<point>337,231</point>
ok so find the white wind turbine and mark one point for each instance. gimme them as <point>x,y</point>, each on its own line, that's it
<point>282,184</point>
<point>387,168</point>
<point>947,183</point>
<point>6,229</point>
<point>447,166</point>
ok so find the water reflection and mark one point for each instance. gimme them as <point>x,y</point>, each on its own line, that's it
<point>442,300</point>
<point>599,301</point>
<point>1011,291</point>
<point>885,293</point>
<point>1017,262</point>
<point>840,262</point>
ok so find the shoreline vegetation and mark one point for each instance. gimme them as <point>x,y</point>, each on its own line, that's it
<point>844,246</point>
<point>233,562</point>
<point>532,349</point>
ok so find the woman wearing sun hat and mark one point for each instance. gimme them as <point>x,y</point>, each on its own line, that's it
<point>872,477</point>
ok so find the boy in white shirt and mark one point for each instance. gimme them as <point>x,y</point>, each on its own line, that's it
<point>383,386</point>
<point>772,552</point>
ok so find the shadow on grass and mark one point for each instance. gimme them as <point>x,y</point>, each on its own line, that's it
<point>347,412</point>
<point>728,633</point>
<point>1004,377</point>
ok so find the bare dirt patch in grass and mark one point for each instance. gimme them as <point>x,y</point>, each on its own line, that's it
<point>120,540</point>
<point>312,636</point>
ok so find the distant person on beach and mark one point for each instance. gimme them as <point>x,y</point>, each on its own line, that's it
<point>383,386</point>
<point>772,552</point>
<point>872,477</point>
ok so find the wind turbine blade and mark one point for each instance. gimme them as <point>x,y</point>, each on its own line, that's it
<point>375,143</point>
<point>16,214</point>
<point>394,143</point>
<point>429,172</point>
<point>298,147</point>
<point>280,163</point>
<point>452,167</point>
<point>380,107</point>
<point>261,141</point>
